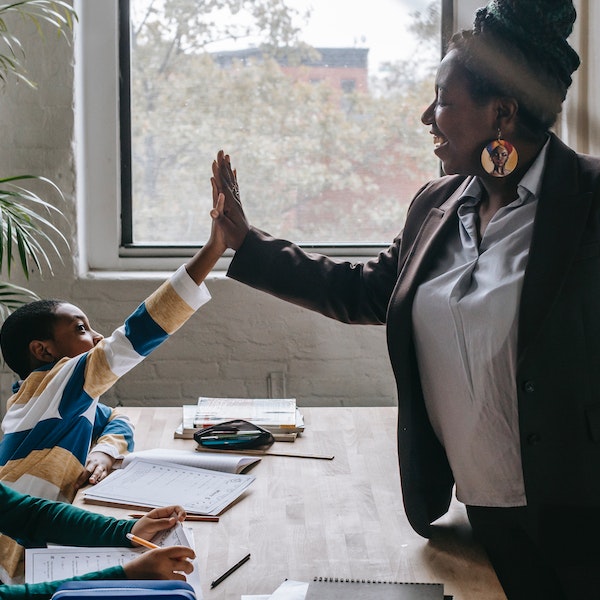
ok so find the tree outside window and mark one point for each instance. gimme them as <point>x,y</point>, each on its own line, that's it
<point>328,144</point>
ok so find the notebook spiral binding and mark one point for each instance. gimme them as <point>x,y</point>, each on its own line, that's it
<point>347,580</point>
<point>375,581</point>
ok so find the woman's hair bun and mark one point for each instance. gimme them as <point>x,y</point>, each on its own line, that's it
<point>539,28</point>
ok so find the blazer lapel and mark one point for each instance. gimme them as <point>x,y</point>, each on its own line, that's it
<point>422,251</point>
<point>421,254</point>
<point>559,225</point>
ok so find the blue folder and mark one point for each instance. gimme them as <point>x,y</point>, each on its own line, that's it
<point>127,589</point>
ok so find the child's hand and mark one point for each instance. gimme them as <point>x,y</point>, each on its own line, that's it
<point>97,466</point>
<point>229,221</point>
<point>158,519</point>
<point>162,563</point>
<point>217,239</point>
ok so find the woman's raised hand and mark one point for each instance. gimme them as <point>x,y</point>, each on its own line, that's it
<point>227,212</point>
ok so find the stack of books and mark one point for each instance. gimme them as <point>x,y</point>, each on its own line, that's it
<point>279,415</point>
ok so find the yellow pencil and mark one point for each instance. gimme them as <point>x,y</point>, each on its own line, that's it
<point>141,541</point>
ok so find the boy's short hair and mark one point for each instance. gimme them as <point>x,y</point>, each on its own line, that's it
<point>32,321</point>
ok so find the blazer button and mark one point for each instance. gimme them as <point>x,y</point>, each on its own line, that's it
<point>534,438</point>
<point>529,387</point>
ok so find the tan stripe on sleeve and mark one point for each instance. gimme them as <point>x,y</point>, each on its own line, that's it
<point>98,374</point>
<point>116,441</point>
<point>168,309</point>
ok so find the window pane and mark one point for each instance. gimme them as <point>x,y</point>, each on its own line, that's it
<point>317,101</point>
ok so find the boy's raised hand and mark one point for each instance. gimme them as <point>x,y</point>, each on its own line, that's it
<point>227,213</point>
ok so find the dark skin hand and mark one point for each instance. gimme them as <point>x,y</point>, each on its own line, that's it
<point>158,519</point>
<point>97,466</point>
<point>227,213</point>
<point>161,563</point>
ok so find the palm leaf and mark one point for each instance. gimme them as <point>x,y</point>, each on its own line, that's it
<point>12,296</point>
<point>26,231</point>
<point>55,13</point>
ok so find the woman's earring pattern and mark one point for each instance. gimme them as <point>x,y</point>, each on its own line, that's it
<point>499,158</point>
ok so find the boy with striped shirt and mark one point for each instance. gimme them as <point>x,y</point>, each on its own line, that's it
<point>54,418</point>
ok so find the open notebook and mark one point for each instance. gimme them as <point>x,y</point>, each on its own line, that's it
<point>146,483</point>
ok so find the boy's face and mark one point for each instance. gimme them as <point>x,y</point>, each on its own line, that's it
<point>72,333</point>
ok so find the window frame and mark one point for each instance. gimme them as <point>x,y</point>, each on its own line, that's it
<point>103,149</point>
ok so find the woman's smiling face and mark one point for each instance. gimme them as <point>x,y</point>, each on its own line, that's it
<point>461,126</point>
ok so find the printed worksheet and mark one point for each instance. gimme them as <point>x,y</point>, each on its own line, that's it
<point>153,483</point>
<point>63,562</point>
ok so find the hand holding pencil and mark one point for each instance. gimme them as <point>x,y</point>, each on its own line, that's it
<point>157,520</point>
<point>172,562</point>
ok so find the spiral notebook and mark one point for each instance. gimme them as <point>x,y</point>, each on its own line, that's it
<point>328,588</point>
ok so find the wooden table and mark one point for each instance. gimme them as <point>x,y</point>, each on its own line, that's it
<point>308,517</point>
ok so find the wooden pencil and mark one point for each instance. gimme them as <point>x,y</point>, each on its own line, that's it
<point>207,518</point>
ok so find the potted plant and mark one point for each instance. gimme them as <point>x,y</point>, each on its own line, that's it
<point>27,232</point>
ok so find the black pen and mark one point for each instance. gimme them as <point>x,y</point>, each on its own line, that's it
<point>235,567</point>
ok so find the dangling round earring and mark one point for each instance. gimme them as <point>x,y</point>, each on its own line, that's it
<point>499,158</point>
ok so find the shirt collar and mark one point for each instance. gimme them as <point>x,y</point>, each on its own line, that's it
<point>532,180</point>
<point>530,184</point>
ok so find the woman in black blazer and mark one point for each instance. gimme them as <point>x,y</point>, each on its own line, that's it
<point>491,300</point>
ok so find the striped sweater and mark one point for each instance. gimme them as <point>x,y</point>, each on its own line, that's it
<point>55,415</point>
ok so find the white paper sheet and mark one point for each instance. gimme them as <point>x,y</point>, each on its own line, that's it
<point>63,562</point>
<point>154,484</point>
<point>288,590</point>
<point>228,463</point>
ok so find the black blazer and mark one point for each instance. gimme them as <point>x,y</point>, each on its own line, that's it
<point>558,355</point>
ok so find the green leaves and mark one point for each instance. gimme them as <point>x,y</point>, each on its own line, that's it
<point>25,228</point>
<point>26,235</point>
<point>55,13</point>
<point>12,296</point>
<point>27,232</point>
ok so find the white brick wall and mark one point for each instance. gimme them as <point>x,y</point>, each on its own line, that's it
<point>233,344</point>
